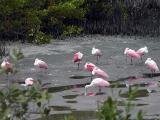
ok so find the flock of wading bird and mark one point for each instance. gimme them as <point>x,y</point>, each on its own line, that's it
<point>101,76</point>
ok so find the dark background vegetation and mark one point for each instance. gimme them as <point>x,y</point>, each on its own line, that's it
<point>38,20</point>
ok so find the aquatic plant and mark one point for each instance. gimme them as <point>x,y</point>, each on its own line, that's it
<point>110,110</point>
<point>69,118</point>
<point>19,102</point>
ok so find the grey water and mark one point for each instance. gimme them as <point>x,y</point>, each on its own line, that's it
<point>66,83</point>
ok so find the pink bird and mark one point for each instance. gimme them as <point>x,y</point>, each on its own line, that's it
<point>29,81</point>
<point>151,64</point>
<point>77,58</point>
<point>153,84</point>
<point>89,67</point>
<point>7,67</point>
<point>97,82</point>
<point>131,53</point>
<point>96,52</point>
<point>99,73</point>
<point>41,64</point>
<point>142,51</point>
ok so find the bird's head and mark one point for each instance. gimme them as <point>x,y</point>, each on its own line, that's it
<point>85,66</point>
<point>148,59</point>
<point>145,49</point>
<point>36,61</point>
<point>126,50</point>
<point>29,81</point>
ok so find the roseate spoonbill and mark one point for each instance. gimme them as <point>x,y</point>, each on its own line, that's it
<point>99,73</point>
<point>132,54</point>
<point>151,64</point>
<point>42,67</point>
<point>89,67</point>
<point>7,67</point>
<point>97,82</point>
<point>28,82</point>
<point>96,52</point>
<point>77,58</point>
<point>41,64</point>
<point>152,85</point>
<point>142,51</point>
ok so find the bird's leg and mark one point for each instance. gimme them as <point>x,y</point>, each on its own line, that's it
<point>99,89</point>
<point>7,78</point>
<point>97,59</point>
<point>39,72</point>
<point>142,59</point>
<point>91,76</point>
<point>131,61</point>
<point>78,65</point>
<point>151,73</point>
<point>126,58</point>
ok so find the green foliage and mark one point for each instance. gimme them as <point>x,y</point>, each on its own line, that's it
<point>16,54</point>
<point>72,30</point>
<point>38,37</point>
<point>110,111</point>
<point>15,102</point>
<point>21,18</point>
<point>123,9</point>
<point>68,9</point>
<point>18,102</point>
<point>33,20</point>
<point>69,118</point>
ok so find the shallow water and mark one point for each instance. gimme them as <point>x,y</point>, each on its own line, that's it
<point>66,83</point>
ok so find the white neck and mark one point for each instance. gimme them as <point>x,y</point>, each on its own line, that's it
<point>87,86</point>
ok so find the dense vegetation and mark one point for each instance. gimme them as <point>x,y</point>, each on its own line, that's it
<point>37,20</point>
<point>34,20</point>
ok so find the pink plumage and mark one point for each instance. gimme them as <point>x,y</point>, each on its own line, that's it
<point>97,82</point>
<point>29,81</point>
<point>151,64</point>
<point>133,54</point>
<point>99,73</point>
<point>7,66</point>
<point>96,52</point>
<point>77,57</point>
<point>100,82</point>
<point>142,51</point>
<point>41,64</point>
<point>89,66</point>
